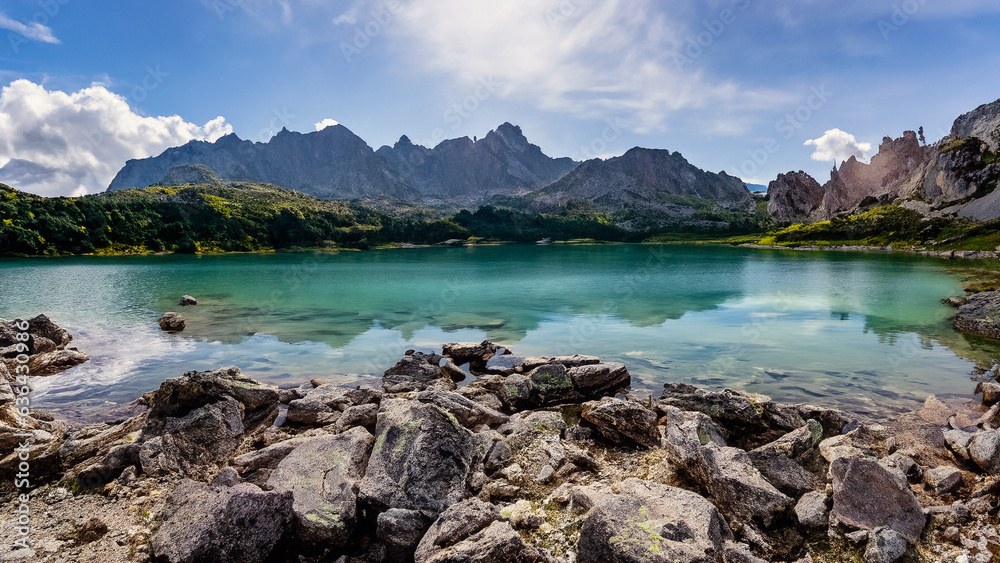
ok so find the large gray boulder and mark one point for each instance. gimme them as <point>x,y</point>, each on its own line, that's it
<point>623,422</point>
<point>225,522</point>
<point>652,523</point>
<point>197,421</point>
<point>322,475</point>
<point>422,458</point>
<point>980,314</point>
<point>867,496</point>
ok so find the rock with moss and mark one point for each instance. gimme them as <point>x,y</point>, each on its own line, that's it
<point>322,475</point>
<point>422,458</point>
<point>650,522</point>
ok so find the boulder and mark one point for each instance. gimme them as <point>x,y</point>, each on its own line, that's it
<point>172,322</point>
<point>194,445</point>
<point>236,523</point>
<point>358,415</point>
<point>468,412</point>
<point>197,421</point>
<point>551,384</point>
<point>653,523</point>
<point>325,404</point>
<point>943,479</point>
<point>50,363</point>
<point>867,496</point>
<point>42,327</point>
<point>984,450</point>
<point>416,371</point>
<point>187,300</point>
<point>496,543</point>
<point>980,314</point>
<point>738,488</point>
<point>322,476</point>
<point>476,354</point>
<point>885,545</point>
<point>812,510</point>
<point>623,422</point>
<point>422,458</point>
<point>990,391</point>
<point>958,442</point>
<point>454,525</point>
<point>755,419</point>
<point>401,531</point>
<point>594,380</point>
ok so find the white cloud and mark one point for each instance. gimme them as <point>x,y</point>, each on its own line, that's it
<point>53,143</point>
<point>326,123</point>
<point>837,146</point>
<point>588,58</point>
<point>35,31</point>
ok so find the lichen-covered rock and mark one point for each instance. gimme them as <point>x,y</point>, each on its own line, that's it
<point>322,476</point>
<point>422,458</point>
<point>623,422</point>
<point>654,523</point>
<point>867,496</point>
<point>224,522</point>
<point>980,314</point>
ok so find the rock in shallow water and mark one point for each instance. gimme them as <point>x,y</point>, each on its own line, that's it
<point>172,322</point>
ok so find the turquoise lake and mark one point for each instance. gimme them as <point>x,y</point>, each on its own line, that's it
<point>866,332</point>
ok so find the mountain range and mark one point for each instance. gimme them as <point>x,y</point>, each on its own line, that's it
<point>336,164</point>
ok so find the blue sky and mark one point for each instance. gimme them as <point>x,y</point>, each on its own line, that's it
<point>735,85</point>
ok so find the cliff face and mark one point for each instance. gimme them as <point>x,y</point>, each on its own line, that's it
<point>334,163</point>
<point>956,176</point>
<point>646,178</point>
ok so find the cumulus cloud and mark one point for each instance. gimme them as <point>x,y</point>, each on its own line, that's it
<point>34,31</point>
<point>53,143</point>
<point>837,146</point>
<point>326,123</point>
<point>588,58</point>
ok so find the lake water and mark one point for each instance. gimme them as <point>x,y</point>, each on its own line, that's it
<point>865,332</point>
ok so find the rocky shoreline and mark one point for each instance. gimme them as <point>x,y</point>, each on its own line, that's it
<point>531,459</point>
<point>949,254</point>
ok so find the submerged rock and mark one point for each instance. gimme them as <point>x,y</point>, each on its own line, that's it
<point>187,300</point>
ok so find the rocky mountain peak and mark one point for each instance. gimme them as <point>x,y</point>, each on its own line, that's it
<point>982,123</point>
